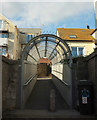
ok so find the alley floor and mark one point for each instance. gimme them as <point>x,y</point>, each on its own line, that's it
<point>40,96</point>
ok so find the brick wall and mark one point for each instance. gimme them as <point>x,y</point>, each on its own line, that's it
<point>42,69</point>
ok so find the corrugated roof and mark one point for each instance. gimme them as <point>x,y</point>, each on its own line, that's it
<point>81,34</point>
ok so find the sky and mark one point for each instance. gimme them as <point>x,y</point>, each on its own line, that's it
<point>49,15</point>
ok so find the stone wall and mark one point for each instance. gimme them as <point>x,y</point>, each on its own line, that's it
<point>9,83</point>
<point>42,69</point>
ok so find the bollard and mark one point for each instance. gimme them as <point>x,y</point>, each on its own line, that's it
<point>52,100</point>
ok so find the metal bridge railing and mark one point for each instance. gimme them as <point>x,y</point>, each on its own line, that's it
<point>30,79</point>
<point>68,85</point>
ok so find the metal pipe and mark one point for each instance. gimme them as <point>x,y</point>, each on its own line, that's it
<point>37,49</point>
<point>29,80</point>
<point>45,47</point>
<point>32,57</point>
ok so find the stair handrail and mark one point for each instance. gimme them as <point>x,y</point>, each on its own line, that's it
<point>29,80</point>
<point>62,80</point>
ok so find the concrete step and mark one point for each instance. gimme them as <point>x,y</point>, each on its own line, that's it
<point>46,115</point>
<point>49,118</point>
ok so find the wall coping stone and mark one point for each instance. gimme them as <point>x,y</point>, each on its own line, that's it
<point>9,61</point>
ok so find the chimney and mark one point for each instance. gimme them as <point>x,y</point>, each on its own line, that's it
<point>88,27</point>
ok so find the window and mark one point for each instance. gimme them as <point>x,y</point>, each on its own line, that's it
<point>3,35</point>
<point>3,51</point>
<point>29,37</point>
<point>72,36</point>
<point>77,51</point>
<point>80,51</point>
<point>74,51</point>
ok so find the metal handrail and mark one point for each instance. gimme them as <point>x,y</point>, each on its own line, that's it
<point>57,71</point>
<point>29,80</point>
<point>65,83</point>
<point>62,80</point>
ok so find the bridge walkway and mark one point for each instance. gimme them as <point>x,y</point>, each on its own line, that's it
<point>40,96</point>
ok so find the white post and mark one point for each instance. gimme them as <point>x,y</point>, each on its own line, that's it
<point>95,7</point>
<point>0,87</point>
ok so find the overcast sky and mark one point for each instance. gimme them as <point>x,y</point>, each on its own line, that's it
<point>50,15</point>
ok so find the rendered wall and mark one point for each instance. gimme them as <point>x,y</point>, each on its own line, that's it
<point>85,69</point>
<point>30,70</point>
<point>62,73</point>
<point>92,70</point>
<point>79,72</point>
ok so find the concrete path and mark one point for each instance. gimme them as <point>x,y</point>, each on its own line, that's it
<point>46,115</point>
<point>37,106</point>
<point>40,96</point>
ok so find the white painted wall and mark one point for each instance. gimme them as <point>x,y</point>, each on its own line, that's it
<point>3,41</point>
<point>57,70</point>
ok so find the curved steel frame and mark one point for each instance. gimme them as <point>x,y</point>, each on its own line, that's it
<point>34,42</point>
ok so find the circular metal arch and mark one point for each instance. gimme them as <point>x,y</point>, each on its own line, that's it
<point>48,38</point>
<point>57,50</point>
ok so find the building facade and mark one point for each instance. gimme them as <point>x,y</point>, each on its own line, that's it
<point>9,39</point>
<point>26,34</point>
<point>13,39</point>
<point>81,42</point>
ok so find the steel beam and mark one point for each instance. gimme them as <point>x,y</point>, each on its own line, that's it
<point>32,57</point>
<point>45,46</point>
<point>37,49</point>
<point>54,49</point>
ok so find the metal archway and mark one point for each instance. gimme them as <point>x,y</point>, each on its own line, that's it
<point>45,45</point>
<point>60,47</point>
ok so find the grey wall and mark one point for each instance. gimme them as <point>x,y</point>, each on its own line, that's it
<point>0,87</point>
<point>30,70</point>
<point>79,72</point>
<point>9,83</point>
<point>92,70</point>
<point>61,75</point>
<point>85,69</point>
